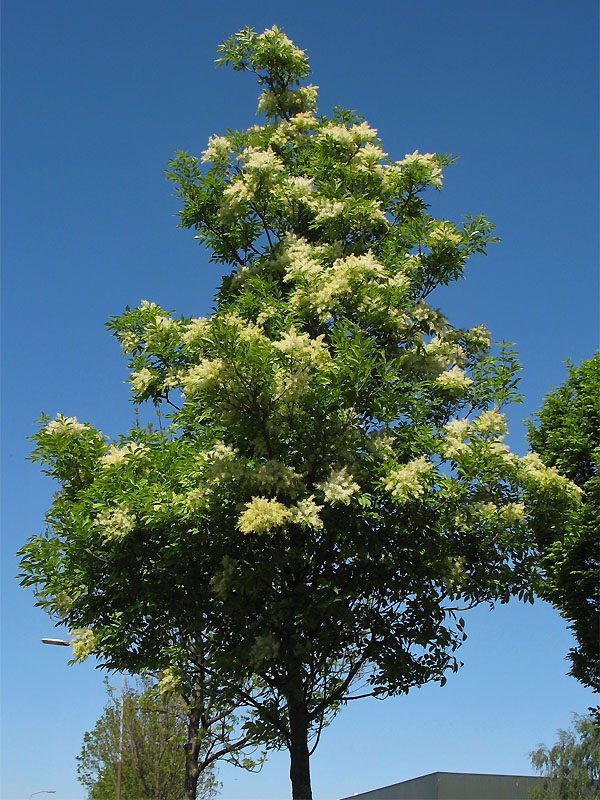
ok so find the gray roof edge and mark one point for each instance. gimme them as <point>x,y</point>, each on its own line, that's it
<point>438,773</point>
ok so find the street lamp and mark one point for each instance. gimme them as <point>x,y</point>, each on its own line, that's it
<point>43,791</point>
<point>66,643</point>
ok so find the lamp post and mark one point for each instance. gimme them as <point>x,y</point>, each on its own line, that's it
<point>66,643</point>
<point>43,791</point>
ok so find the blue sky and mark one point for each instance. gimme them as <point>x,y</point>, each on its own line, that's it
<point>96,98</point>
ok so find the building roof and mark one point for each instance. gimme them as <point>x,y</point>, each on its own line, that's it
<point>455,786</point>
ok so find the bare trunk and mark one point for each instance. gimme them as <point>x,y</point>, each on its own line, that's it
<point>192,750</point>
<point>299,757</point>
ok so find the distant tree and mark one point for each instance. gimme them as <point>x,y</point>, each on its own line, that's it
<point>566,435</point>
<point>571,768</point>
<point>153,756</point>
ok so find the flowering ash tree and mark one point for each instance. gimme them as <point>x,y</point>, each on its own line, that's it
<point>334,485</point>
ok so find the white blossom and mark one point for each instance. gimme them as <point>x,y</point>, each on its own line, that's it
<point>115,522</point>
<point>306,514</point>
<point>339,487</point>
<point>202,376</point>
<point>326,209</point>
<point>83,642</point>
<point>491,422</point>
<point>196,330</point>
<point>428,162</point>
<point>264,161</point>
<point>262,515</point>
<point>454,380</point>
<point>535,472</point>
<point>66,426</point>
<point>169,681</point>
<point>406,483</point>
<point>301,346</point>
<point>276,476</point>
<point>141,380</point>
<point>456,431</point>
<point>512,512</point>
<point>119,455</point>
<point>444,234</point>
<point>217,150</point>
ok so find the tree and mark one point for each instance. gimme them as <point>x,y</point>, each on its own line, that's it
<point>153,757</point>
<point>333,489</point>
<point>571,768</point>
<point>566,435</point>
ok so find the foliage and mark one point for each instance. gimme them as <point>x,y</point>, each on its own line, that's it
<point>572,767</point>
<point>334,486</point>
<point>566,435</point>
<point>153,758</point>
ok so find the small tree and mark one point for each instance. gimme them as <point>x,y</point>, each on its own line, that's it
<point>566,434</point>
<point>153,757</point>
<point>571,768</point>
<point>334,487</point>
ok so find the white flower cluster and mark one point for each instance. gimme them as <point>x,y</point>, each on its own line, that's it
<point>301,100</point>
<point>65,426</point>
<point>303,348</point>
<point>263,161</point>
<point>349,137</point>
<point>345,276</point>
<point>129,340</point>
<point>83,643</point>
<point>261,170</point>
<point>169,681</point>
<point>202,376</point>
<point>263,515</point>
<point>381,444</point>
<point>298,188</point>
<point>491,423</point>
<point>444,234</point>
<point>223,462</point>
<point>306,514</point>
<point>535,473</point>
<point>217,150</point>
<point>507,514</point>
<point>478,338</point>
<point>277,476</point>
<point>326,210</point>
<point>427,162</point>
<point>299,259</point>
<point>235,195</point>
<point>244,329</point>
<point>436,321</point>
<point>368,158</point>
<point>119,455</point>
<point>160,327</point>
<point>339,487</point>
<point>454,380</point>
<point>196,330</point>
<point>406,483</point>
<point>116,522</point>
<point>455,433</point>
<point>140,380</point>
<point>445,351</point>
<point>512,512</point>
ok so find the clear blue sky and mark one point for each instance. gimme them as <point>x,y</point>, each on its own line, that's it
<point>96,98</point>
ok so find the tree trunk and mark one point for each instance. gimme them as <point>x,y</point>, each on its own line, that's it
<point>299,758</point>
<point>192,749</point>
